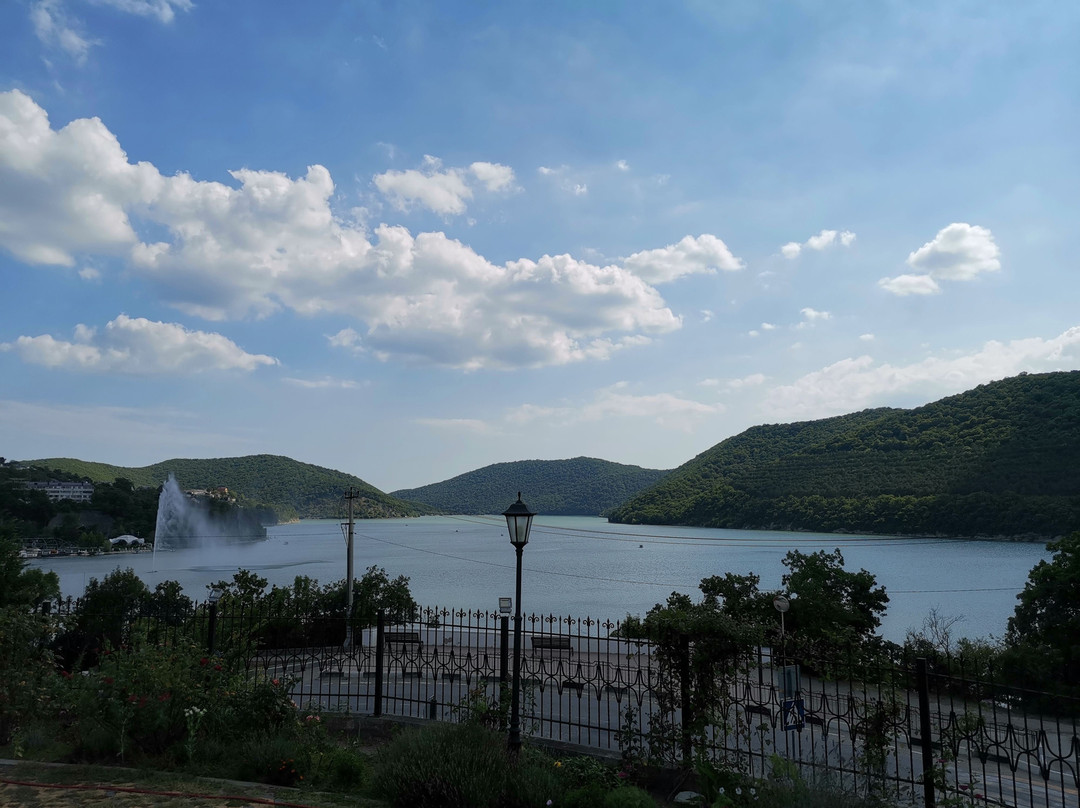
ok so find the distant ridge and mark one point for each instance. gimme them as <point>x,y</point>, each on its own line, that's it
<point>1000,460</point>
<point>292,488</point>
<point>583,486</point>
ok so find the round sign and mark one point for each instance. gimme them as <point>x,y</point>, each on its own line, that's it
<point>781,603</point>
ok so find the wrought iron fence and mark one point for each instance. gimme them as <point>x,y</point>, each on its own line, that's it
<point>913,732</point>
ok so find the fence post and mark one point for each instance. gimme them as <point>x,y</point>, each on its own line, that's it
<point>504,649</point>
<point>379,626</point>
<point>922,682</point>
<point>684,693</point>
<point>212,630</point>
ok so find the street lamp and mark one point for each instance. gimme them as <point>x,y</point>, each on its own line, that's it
<point>518,521</point>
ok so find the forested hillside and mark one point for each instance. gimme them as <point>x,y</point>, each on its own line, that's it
<point>999,460</point>
<point>291,488</point>
<point>581,486</point>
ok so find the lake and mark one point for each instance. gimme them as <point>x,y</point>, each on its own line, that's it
<point>584,566</point>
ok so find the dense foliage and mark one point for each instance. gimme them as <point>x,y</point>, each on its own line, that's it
<point>288,486</point>
<point>583,486</point>
<point>998,460</point>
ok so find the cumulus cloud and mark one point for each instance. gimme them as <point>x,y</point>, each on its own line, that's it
<point>444,191</point>
<point>622,165</point>
<point>767,327</point>
<point>54,29</point>
<point>856,383</point>
<point>266,242</point>
<point>704,254</point>
<point>823,240</point>
<point>494,176</point>
<point>959,252</point>
<point>866,337</point>
<point>138,346</point>
<point>811,316</point>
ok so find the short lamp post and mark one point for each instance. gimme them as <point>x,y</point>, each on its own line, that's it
<point>518,522</point>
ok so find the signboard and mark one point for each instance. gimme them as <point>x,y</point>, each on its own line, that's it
<point>789,681</point>
<point>793,713</point>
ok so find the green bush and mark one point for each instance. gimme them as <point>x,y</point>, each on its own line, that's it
<point>461,766</point>
<point>629,797</point>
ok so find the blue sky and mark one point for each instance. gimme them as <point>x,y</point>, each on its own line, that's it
<point>407,240</point>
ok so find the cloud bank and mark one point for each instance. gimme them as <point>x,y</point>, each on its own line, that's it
<point>268,242</point>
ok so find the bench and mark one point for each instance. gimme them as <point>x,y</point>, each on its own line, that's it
<point>548,642</point>
<point>403,638</point>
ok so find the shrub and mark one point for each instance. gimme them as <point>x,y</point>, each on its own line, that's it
<point>461,766</point>
<point>629,797</point>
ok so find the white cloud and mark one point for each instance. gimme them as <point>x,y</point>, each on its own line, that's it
<point>326,382</point>
<point>622,165</point>
<point>664,409</point>
<point>704,254</point>
<point>164,10</point>
<point>823,240</point>
<point>753,333</point>
<point>813,315</point>
<point>753,380</point>
<point>959,252</point>
<point>546,172</point>
<point>444,191</point>
<point>138,346</point>
<point>706,315</point>
<point>89,274</point>
<point>857,383</point>
<point>470,425</point>
<point>131,436</point>
<point>767,327</point>
<point>346,338</point>
<point>866,337</point>
<point>580,189</point>
<point>903,285</point>
<point>494,176</point>
<point>267,242</point>
<point>54,30</point>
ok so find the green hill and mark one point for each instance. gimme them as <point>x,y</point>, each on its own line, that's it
<point>582,486</point>
<point>999,460</point>
<point>288,486</point>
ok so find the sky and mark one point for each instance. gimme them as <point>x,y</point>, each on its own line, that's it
<point>407,240</point>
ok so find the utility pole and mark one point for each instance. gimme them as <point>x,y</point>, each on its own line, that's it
<point>350,495</point>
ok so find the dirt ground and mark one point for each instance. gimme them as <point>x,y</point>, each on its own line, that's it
<point>33,785</point>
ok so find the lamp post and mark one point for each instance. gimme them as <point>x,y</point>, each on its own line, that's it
<point>518,521</point>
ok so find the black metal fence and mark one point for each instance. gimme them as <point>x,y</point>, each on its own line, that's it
<point>914,732</point>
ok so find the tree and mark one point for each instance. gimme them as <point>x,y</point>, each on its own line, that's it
<point>829,603</point>
<point>1043,636</point>
<point>19,585</point>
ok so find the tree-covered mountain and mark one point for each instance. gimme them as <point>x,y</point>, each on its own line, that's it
<point>999,460</point>
<point>288,486</point>
<point>581,486</point>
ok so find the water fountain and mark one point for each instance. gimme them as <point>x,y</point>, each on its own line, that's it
<point>184,523</point>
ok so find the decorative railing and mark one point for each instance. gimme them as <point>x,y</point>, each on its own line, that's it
<point>874,726</point>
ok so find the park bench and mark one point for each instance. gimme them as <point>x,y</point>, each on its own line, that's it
<point>547,642</point>
<point>403,638</point>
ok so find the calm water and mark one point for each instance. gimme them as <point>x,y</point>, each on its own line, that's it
<point>584,566</point>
